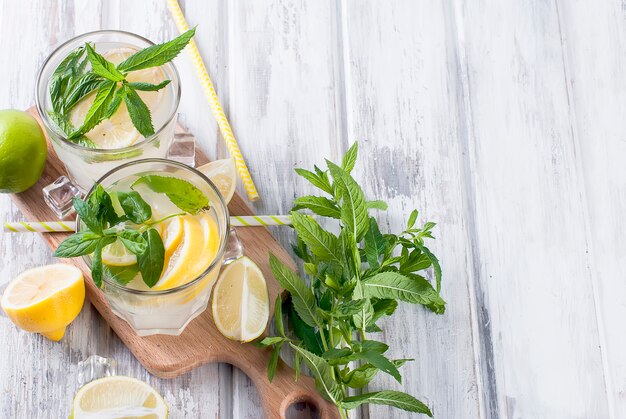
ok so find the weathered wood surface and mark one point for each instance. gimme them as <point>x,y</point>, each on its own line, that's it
<point>502,121</point>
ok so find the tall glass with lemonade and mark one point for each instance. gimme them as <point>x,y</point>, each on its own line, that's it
<point>194,245</point>
<point>65,96</point>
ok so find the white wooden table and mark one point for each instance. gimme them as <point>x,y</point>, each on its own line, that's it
<point>504,121</point>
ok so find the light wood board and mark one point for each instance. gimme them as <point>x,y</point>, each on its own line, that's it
<point>200,343</point>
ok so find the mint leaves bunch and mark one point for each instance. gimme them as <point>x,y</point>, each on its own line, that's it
<point>71,83</point>
<point>356,278</point>
<point>134,228</point>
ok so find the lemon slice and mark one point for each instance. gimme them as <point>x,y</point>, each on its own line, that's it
<point>118,397</point>
<point>119,131</point>
<point>223,174</point>
<point>45,299</point>
<point>186,255</point>
<point>240,301</point>
<point>172,234</point>
<point>116,254</point>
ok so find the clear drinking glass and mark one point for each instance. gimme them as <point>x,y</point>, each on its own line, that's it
<point>86,165</point>
<point>169,311</point>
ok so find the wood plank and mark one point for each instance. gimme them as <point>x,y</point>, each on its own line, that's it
<point>200,342</point>
<point>528,217</point>
<point>594,42</point>
<point>401,97</point>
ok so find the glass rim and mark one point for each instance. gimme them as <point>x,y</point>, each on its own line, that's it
<point>218,255</point>
<point>49,126</point>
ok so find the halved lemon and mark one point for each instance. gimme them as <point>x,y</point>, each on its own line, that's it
<point>119,131</point>
<point>240,301</point>
<point>45,299</point>
<point>116,254</point>
<point>118,397</point>
<point>223,173</point>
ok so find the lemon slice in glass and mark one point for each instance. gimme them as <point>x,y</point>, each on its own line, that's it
<point>116,254</point>
<point>119,131</point>
<point>118,397</point>
<point>240,301</point>
<point>223,174</point>
<point>45,299</point>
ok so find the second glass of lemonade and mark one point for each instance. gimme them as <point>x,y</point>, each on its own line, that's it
<point>115,141</point>
<point>195,246</point>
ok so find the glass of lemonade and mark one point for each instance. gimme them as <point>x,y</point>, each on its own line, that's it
<point>115,141</point>
<point>195,246</point>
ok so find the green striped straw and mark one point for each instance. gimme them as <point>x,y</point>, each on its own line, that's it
<point>61,226</point>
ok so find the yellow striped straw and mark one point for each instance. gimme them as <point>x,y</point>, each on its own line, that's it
<point>70,226</point>
<point>216,107</point>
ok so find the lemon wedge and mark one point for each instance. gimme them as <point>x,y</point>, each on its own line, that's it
<point>116,254</point>
<point>223,173</point>
<point>119,131</point>
<point>45,299</point>
<point>118,397</point>
<point>240,301</point>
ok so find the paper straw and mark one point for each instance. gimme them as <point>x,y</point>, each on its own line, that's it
<point>216,107</point>
<point>70,226</point>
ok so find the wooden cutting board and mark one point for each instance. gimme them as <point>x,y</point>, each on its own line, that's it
<point>200,343</point>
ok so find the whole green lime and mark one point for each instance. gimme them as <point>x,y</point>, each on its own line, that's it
<point>22,151</point>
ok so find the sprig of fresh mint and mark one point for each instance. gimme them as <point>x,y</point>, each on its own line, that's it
<point>356,278</point>
<point>134,228</point>
<point>71,83</point>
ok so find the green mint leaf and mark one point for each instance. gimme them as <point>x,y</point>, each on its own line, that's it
<point>323,373</point>
<point>321,243</point>
<point>385,307</point>
<point>349,307</point>
<point>133,241</point>
<point>382,363</point>
<point>278,316</point>
<point>379,205</point>
<point>412,219</point>
<point>416,261</point>
<point>183,194</point>
<point>88,214</point>
<point>307,334</point>
<point>62,77</point>
<point>101,67</point>
<point>156,55</point>
<point>339,355</point>
<point>121,274</point>
<point>136,209</point>
<point>79,89</point>
<point>318,180</point>
<point>353,208</point>
<point>100,201</point>
<point>361,376</point>
<point>96,260</point>
<point>414,290</point>
<point>374,346</point>
<point>79,244</point>
<point>152,259</point>
<point>148,87</point>
<point>318,204</point>
<point>349,159</point>
<point>435,262</point>
<point>301,295</point>
<point>389,398</point>
<point>271,367</point>
<point>269,341</point>
<point>138,111</point>
<point>118,97</point>
<point>374,244</point>
<point>97,111</point>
